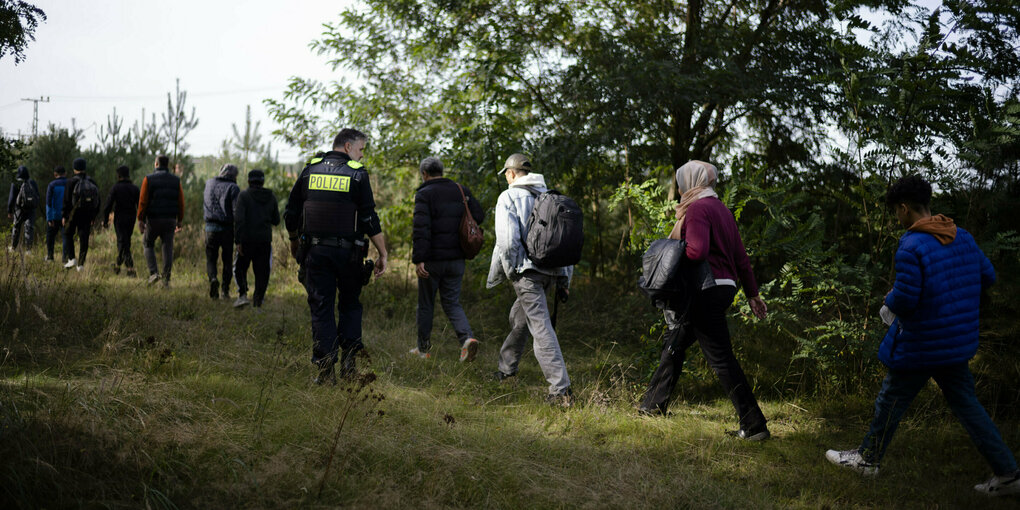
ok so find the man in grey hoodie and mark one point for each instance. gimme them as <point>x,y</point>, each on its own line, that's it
<point>530,312</point>
<point>218,209</point>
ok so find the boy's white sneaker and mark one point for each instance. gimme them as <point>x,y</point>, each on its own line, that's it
<point>70,263</point>
<point>417,352</point>
<point>852,459</point>
<point>1000,485</point>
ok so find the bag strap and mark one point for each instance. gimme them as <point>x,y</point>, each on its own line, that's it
<point>464,199</point>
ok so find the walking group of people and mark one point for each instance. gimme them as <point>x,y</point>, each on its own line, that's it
<point>940,273</point>
<point>237,222</point>
<point>932,309</point>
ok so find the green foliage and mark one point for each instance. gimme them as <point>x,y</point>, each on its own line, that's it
<point>18,22</point>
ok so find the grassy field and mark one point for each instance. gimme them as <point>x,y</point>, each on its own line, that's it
<point>115,394</point>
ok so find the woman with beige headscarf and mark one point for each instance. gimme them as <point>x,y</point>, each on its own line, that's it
<point>710,231</point>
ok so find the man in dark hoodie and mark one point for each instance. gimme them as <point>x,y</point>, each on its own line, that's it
<point>160,215</point>
<point>54,213</point>
<point>122,202</point>
<point>21,208</point>
<point>218,206</point>
<point>81,205</point>
<point>438,257</point>
<point>254,216</point>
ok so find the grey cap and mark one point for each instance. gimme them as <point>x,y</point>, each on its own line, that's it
<point>517,161</point>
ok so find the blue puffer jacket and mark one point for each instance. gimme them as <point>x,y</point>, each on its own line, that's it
<point>55,199</point>
<point>935,297</point>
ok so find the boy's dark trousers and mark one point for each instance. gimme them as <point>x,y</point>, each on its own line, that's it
<point>82,227</point>
<point>24,221</point>
<point>53,228</point>
<point>219,246</point>
<point>124,227</point>
<point>256,254</point>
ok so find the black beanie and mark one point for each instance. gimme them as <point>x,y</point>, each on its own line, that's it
<point>78,164</point>
<point>256,177</point>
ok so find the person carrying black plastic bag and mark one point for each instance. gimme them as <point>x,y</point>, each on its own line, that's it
<point>710,234</point>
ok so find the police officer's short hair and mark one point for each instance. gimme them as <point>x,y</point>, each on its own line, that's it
<point>163,161</point>
<point>346,136</point>
<point>431,166</point>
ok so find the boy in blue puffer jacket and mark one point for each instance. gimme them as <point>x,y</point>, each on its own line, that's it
<point>940,274</point>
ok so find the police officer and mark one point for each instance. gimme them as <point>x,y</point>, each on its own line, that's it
<point>328,215</point>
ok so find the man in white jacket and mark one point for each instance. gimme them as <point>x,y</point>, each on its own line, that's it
<point>530,312</point>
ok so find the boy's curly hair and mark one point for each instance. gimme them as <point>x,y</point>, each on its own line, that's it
<point>911,190</point>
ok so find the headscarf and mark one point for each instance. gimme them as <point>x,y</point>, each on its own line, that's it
<point>696,180</point>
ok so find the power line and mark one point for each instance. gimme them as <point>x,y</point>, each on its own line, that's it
<point>71,99</point>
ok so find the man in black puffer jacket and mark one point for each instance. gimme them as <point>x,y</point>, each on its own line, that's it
<point>254,216</point>
<point>438,258</point>
<point>218,207</point>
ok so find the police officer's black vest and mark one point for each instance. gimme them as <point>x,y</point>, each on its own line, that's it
<point>333,194</point>
<point>164,190</point>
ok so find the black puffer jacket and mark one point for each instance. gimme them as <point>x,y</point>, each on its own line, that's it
<point>438,209</point>
<point>254,216</point>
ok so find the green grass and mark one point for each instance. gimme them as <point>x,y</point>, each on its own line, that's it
<point>114,394</point>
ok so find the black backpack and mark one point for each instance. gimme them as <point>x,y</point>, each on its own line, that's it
<point>86,197</point>
<point>28,197</point>
<point>555,231</point>
<point>668,278</point>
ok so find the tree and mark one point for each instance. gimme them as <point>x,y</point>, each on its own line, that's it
<point>176,123</point>
<point>18,22</point>
<point>245,144</point>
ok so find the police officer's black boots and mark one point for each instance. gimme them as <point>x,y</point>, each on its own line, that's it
<point>326,374</point>
<point>348,362</point>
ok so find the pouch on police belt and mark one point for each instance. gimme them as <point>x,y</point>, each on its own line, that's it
<point>366,271</point>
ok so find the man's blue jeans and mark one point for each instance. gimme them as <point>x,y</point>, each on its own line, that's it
<point>957,384</point>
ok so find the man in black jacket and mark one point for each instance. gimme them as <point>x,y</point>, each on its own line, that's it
<point>160,215</point>
<point>81,205</point>
<point>254,216</point>
<point>122,202</point>
<point>218,206</point>
<point>23,214</point>
<point>439,260</point>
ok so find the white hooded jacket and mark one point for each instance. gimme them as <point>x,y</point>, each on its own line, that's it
<point>513,208</point>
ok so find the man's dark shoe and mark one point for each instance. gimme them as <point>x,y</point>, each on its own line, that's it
<point>500,376</point>
<point>565,399</point>
<point>116,269</point>
<point>326,375</point>
<point>756,434</point>
<point>214,289</point>
<point>131,272</point>
<point>225,292</point>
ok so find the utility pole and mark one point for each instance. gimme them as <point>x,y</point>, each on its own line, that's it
<point>35,113</point>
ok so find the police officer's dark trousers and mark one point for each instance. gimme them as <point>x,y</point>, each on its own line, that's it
<point>331,272</point>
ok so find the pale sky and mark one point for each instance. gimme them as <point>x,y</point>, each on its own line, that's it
<point>92,56</point>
